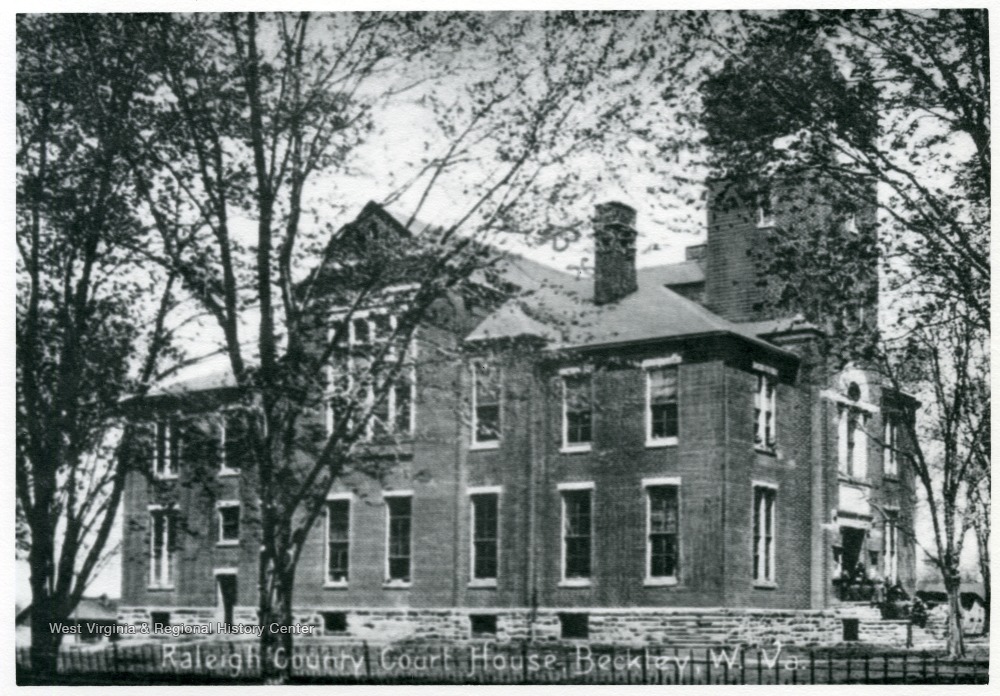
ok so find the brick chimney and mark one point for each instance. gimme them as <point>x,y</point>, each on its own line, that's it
<point>614,252</point>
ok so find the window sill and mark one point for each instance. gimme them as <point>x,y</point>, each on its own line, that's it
<point>480,446</point>
<point>229,472</point>
<point>396,585</point>
<point>228,542</point>
<point>891,477</point>
<point>483,584</point>
<point>335,585</point>
<point>664,442</point>
<point>165,477</point>
<point>660,582</point>
<point>575,449</point>
<point>765,585</point>
<point>161,588</point>
<point>764,449</point>
<point>575,582</point>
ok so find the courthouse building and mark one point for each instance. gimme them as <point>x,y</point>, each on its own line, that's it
<point>610,451</point>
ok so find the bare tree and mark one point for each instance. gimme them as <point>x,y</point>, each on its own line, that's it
<point>91,326</point>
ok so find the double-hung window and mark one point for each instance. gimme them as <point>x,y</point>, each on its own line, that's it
<point>662,531</point>
<point>577,532</point>
<point>377,381</point>
<point>399,530</point>
<point>338,539</point>
<point>661,401</point>
<point>168,445</point>
<point>577,410</point>
<point>764,519</point>
<point>162,547</point>
<point>765,408</point>
<point>764,213</point>
<point>234,442</point>
<point>890,445</point>
<point>486,384</point>
<point>485,508</point>
<point>228,519</point>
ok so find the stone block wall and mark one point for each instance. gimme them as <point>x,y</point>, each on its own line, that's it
<point>626,627</point>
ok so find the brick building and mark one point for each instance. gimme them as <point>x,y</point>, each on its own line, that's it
<point>610,450</point>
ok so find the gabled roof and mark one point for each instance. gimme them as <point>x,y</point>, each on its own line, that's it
<point>569,314</point>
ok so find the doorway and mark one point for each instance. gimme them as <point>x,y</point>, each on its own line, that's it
<point>226,595</point>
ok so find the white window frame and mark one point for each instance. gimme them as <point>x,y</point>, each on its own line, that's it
<point>853,464</point>
<point>763,211</point>
<point>168,470</point>
<point>647,366</point>
<point>765,376</point>
<point>771,581</point>
<point>890,445</point>
<point>219,507</point>
<point>851,223</point>
<point>224,469</point>
<point>573,487</point>
<point>168,572</point>
<point>335,497</point>
<point>406,371</point>
<point>482,490</point>
<point>477,444</point>
<point>395,583</point>
<point>566,446</point>
<point>647,483</point>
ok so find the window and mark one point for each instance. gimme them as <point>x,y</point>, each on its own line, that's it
<point>159,619</point>
<point>162,548</point>
<point>486,383</point>
<point>574,626</point>
<point>890,445</point>
<point>167,450</point>
<point>485,528</point>
<point>765,211</point>
<point>890,555</point>
<point>763,534</point>
<point>577,413</point>
<point>662,515</point>
<point>399,511</point>
<point>661,405</point>
<point>576,526</point>
<point>851,223</point>
<point>229,523</point>
<point>483,624</point>
<point>391,405</point>
<point>334,621</point>
<point>853,453</point>
<point>850,627</point>
<point>764,409</point>
<point>338,540</point>
<point>234,443</point>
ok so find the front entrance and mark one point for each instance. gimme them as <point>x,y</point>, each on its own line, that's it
<point>226,595</point>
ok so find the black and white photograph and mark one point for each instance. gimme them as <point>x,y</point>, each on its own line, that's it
<point>563,346</point>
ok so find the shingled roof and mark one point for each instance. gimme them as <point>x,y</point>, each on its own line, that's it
<point>567,317</point>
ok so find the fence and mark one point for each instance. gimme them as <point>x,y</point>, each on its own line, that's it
<point>490,663</point>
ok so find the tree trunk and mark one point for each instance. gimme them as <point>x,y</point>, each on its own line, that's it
<point>276,613</point>
<point>956,641</point>
<point>44,642</point>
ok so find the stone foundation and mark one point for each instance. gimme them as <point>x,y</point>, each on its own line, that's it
<point>631,627</point>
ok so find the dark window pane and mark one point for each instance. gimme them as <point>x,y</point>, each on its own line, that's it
<point>399,537</point>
